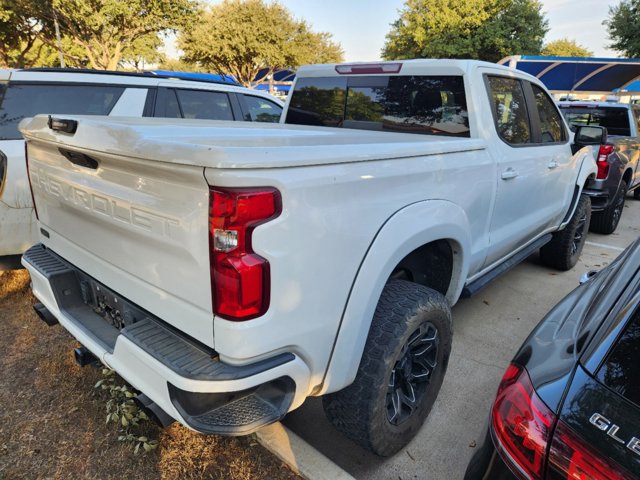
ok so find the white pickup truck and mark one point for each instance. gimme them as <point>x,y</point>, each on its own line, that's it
<point>229,271</point>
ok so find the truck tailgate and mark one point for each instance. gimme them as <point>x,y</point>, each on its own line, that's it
<point>139,226</point>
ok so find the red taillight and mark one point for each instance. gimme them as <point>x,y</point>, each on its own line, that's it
<point>33,199</point>
<point>240,279</point>
<point>572,459</point>
<point>368,68</point>
<point>603,160</point>
<point>522,424</point>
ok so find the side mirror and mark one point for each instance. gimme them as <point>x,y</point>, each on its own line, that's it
<point>588,135</point>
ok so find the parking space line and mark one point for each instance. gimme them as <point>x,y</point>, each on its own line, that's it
<point>602,245</point>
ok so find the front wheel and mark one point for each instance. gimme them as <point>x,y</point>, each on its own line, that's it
<point>401,370</point>
<point>564,249</point>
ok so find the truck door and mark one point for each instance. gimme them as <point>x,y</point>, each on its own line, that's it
<point>534,171</point>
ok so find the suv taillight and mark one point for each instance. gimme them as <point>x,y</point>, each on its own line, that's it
<point>603,160</point>
<point>240,279</point>
<point>522,424</point>
<point>571,458</point>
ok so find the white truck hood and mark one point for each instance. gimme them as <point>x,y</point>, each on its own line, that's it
<point>219,144</point>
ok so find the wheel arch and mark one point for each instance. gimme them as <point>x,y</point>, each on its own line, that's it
<point>418,228</point>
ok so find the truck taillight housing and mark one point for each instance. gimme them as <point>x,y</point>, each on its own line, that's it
<point>603,160</point>
<point>571,458</point>
<point>522,424</point>
<point>240,279</point>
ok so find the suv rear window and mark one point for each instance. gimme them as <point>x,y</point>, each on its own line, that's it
<point>620,370</point>
<point>26,100</point>
<point>432,105</point>
<point>615,119</point>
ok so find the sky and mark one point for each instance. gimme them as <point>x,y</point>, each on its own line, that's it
<point>361,25</point>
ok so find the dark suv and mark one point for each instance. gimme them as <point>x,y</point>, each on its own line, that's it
<point>568,406</point>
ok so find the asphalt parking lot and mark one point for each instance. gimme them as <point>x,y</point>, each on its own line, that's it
<point>487,331</point>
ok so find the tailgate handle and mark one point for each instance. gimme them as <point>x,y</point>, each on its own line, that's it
<point>80,159</point>
<point>62,125</point>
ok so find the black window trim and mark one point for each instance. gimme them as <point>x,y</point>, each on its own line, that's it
<point>530,104</point>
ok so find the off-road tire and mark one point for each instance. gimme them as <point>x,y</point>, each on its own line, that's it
<point>607,220</point>
<point>361,410</point>
<point>564,249</point>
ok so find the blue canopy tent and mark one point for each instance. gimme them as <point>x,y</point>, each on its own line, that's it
<point>577,74</point>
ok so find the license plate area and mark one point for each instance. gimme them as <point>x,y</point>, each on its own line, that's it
<point>114,309</point>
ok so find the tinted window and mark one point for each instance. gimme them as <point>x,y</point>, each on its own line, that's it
<point>614,118</point>
<point>26,100</point>
<point>550,121</point>
<point>204,105</point>
<point>427,105</point>
<point>512,118</point>
<point>318,101</point>
<point>620,370</point>
<point>261,110</point>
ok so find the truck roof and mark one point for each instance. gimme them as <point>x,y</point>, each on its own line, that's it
<point>407,67</point>
<point>595,104</point>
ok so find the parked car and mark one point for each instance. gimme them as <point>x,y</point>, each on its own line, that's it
<point>568,405</point>
<point>617,159</point>
<point>242,268</point>
<point>24,93</point>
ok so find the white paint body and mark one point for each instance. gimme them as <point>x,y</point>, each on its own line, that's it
<point>354,204</point>
<point>18,230</point>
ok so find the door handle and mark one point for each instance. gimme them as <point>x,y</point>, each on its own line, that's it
<point>509,173</point>
<point>552,164</point>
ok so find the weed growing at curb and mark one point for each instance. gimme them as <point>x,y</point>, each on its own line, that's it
<point>125,413</point>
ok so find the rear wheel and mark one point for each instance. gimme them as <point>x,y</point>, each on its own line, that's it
<point>564,249</point>
<point>607,221</point>
<point>401,370</point>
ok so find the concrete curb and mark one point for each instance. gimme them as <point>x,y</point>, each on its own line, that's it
<point>301,457</point>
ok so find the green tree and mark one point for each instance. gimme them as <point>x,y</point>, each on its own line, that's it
<point>142,52</point>
<point>565,48</point>
<point>243,37</point>
<point>623,26</point>
<point>110,30</point>
<point>480,29</point>
<point>21,31</point>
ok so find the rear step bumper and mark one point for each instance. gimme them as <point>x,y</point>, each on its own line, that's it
<point>180,376</point>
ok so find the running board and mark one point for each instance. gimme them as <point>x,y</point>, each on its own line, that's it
<point>477,285</point>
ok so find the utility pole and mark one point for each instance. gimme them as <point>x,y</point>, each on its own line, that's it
<point>58,40</point>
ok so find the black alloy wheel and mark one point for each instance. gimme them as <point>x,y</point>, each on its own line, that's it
<point>412,373</point>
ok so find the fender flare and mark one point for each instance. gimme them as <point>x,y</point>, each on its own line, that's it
<point>406,230</point>
<point>587,169</point>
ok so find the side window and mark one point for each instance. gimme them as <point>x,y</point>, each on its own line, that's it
<point>167,104</point>
<point>620,370</point>
<point>636,116</point>
<point>26,100</point>
<point>551,127</point>
<point>203,104</point>
<point>511,116</point>
<point>261,110</point>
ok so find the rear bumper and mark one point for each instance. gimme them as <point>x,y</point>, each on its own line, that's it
<point>600,199</point>
<point>183,377</point>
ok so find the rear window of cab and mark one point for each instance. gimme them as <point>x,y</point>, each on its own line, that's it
<point>431,105</point>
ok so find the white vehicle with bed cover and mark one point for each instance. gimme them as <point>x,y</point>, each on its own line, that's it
<point>228,271</point>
